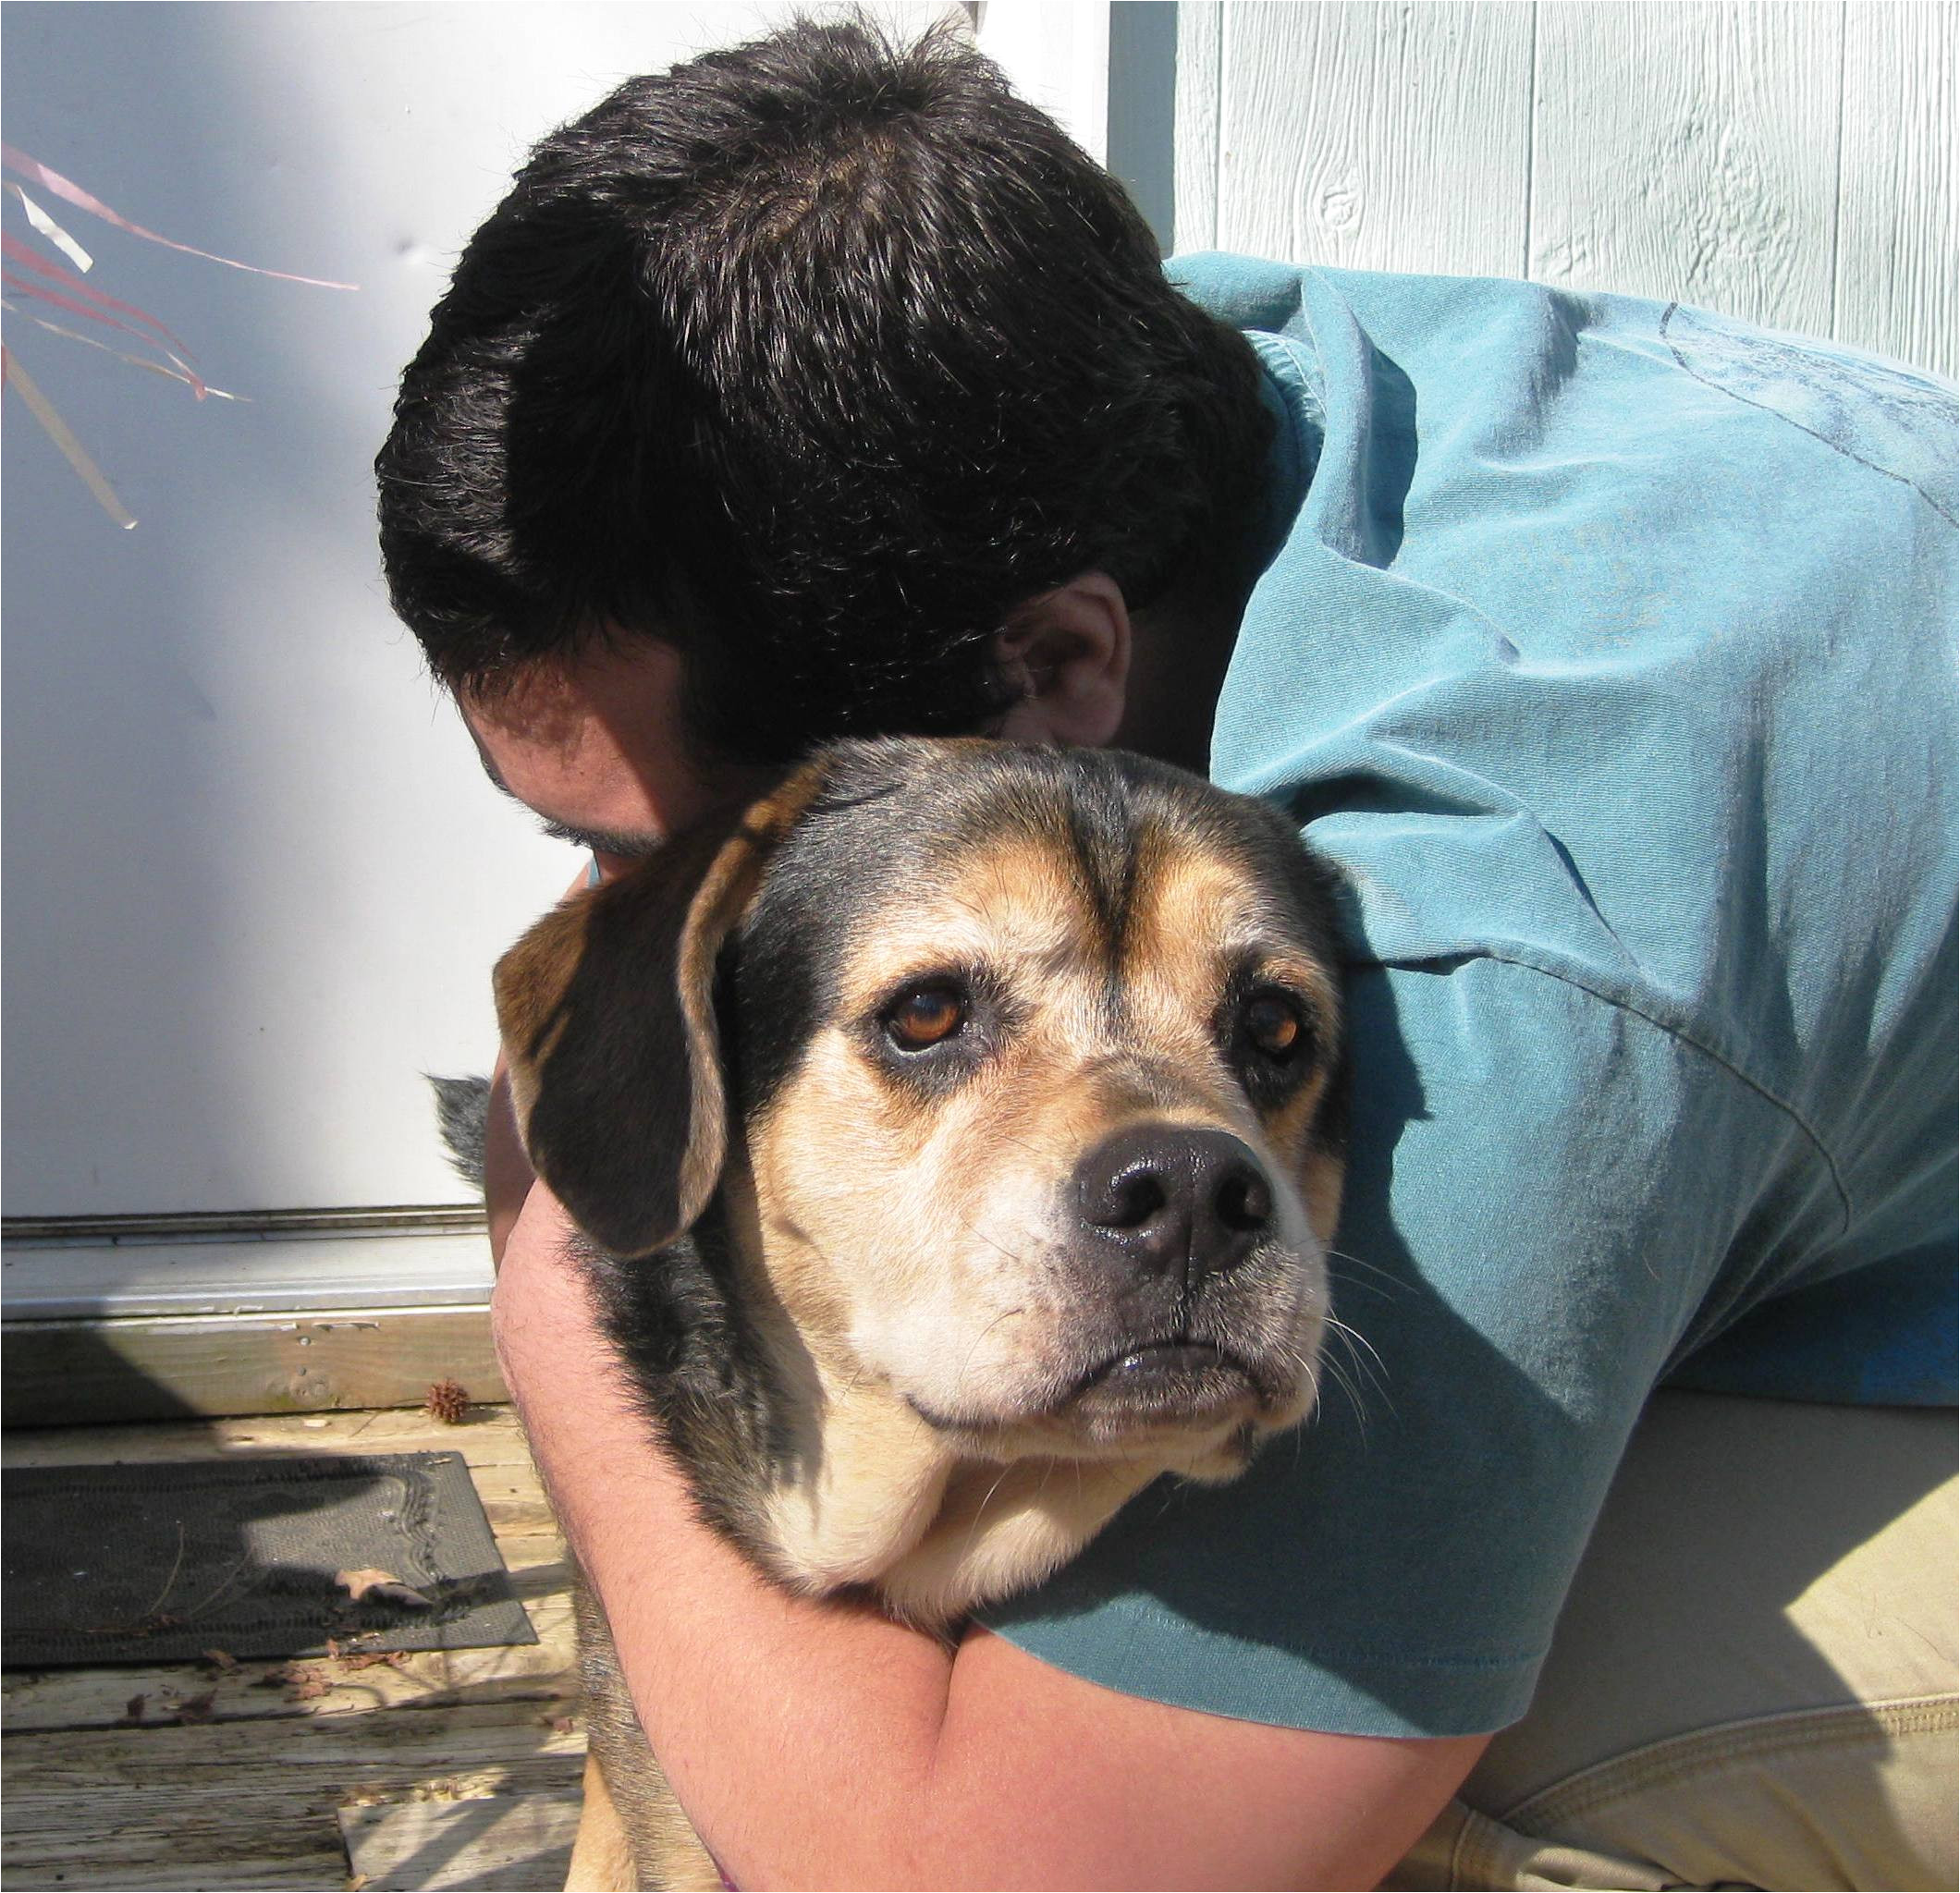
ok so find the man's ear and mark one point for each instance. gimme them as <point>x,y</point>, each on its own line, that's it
<point>607,1016</point>
<point>1069,653</point>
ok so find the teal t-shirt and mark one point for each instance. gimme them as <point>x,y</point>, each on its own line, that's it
<point>1608,648</point>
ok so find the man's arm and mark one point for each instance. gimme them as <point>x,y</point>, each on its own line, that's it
<point>815,1742</point>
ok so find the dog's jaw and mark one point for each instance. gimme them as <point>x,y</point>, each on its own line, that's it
<point>1002,1528</point>
<point>880,1499</point>
<point>857,1496</point>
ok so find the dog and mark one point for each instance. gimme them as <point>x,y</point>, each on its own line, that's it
<point>956,1137</point>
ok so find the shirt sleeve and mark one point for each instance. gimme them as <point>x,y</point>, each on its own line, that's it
<point>1545,1188</point>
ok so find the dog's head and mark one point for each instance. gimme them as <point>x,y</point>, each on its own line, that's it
<point>1017,1067</point>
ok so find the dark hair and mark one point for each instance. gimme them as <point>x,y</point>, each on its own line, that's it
<point>813,357</point>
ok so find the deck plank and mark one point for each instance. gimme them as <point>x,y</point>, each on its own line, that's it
<point>496,1843</point>
<point>488,1435</point>
<point>312,1761</point>
<point>152,1838</point>
<point>47,1700</point>
<point>262,1787</point>
<point>140,1368</point>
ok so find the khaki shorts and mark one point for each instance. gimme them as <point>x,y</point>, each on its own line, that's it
<point>1753,1682</point>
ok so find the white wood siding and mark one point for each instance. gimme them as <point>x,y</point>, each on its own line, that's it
<point>1786,161</point>
<point>1896,278</point>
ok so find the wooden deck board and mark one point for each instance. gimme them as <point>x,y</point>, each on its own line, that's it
<point>255,1790</point>
<point>482,1845</point>
<point>141,1368</point>
<point>489,1437</point>
<point>152,1841</point>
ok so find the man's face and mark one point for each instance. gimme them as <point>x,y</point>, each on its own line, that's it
<point>599,750</point>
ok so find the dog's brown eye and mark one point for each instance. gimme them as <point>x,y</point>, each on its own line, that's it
<point>1273,1026</point>
<point>924,1018</point>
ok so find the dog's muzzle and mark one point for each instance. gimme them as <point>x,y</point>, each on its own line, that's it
<point>1193,1294</point>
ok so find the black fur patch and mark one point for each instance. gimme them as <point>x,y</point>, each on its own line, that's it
<point>462,1114</point>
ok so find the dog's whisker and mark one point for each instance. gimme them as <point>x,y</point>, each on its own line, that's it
<point>1313,1373</point>
<point>1363,1372</point>
<point>1357,1344</point>
<point>1310,1373</point>
<point>1048,1472</point>
<point>981,1236</point>
<point>1390,1283</point>
<point>1339,1377</point>
<point>1345,1365</point>
<point>1042,1157</point>
<point>979,1341</point>
<point>973,1531</point>
<point>1346,1328</point>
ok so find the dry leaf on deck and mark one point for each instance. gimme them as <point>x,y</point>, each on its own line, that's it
<point>366,1659</point>
<point>372,1587</point>
<point>301,1681</point>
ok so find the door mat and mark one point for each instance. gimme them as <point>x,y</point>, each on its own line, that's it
<point>266,1556</point>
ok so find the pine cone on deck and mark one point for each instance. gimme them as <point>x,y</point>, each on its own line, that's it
<point>448,1401</point>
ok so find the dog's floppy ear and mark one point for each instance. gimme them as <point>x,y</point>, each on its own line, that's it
<point>607,1010</point>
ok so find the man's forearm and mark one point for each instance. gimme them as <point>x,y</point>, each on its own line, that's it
<point>738,1683</point>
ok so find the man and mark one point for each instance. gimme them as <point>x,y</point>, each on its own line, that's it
<point>816,388</point>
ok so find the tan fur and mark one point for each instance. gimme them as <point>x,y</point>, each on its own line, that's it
<point>602,1856</point>
<point>1000,1529</point>
<point>527,989</point>
<point>1325,1175</point>
<point>899,1252</point>
<point>682,1864</point>
<point>725,890</point>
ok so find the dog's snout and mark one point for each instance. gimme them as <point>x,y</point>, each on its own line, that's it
<point>1171,1197</point>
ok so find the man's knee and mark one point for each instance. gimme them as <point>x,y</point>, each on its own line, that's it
<point>1754,1680</point>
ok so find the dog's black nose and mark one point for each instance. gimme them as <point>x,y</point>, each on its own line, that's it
<point>1174,1197</point>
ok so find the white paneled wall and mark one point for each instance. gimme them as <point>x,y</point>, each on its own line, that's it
<point>1896,263</point>
<point>1786,161</point>
<point>1362,136</point>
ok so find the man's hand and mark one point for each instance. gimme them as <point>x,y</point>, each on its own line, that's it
<point>815,1742</point>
